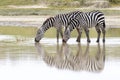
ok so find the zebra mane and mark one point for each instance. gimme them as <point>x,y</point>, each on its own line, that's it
<point>73,12</point>
<point>47,20</point>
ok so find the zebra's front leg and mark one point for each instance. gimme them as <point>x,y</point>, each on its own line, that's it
<point>57,36</point>
<point>87,34</point>
<point>79,34</point>
<point>61,33</point>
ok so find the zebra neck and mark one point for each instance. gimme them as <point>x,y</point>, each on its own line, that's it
<point>71,28</point>
<point>45,28</point>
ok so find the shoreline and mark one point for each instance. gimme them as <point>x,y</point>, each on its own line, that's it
<point>36,21</point>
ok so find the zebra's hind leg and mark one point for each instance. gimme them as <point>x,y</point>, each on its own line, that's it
<point>103,31</point>
<point>79,34</point>
<point>99,33</point>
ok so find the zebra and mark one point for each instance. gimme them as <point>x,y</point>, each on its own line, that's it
<point>57,21</point>
<point>85,21</point>
<point>64,58</point>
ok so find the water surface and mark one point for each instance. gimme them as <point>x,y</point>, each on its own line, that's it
<point>23,59</point>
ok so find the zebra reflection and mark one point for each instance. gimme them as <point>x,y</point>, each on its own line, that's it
<point>65,58</point>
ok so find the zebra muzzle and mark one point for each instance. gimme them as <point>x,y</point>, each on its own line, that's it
<point>36,40</point>
<point>63,41</point>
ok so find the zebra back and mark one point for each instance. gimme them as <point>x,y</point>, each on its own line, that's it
<point>65,19</point>
<point>91,19</point>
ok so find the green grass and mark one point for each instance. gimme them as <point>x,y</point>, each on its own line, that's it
<point>14,12</point>
<point>7,11</point>
<point>115,2</point>
<point>22,31</point>
<point>31,2</point>
<point>51,33</point>
<point>113,32</point>
<point>52,3</point>
<point>16,2</point>
<point>50,11</point>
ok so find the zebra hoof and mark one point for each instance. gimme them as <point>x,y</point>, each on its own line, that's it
<point>77,40</point>
<point>103,40</point>
<point>88,41</point>
<point>63,41</point>
<point>97,41</point>
<point>36,40</point>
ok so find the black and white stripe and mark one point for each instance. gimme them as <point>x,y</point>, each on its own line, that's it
<point>87,20</point>
<point>57,21</point>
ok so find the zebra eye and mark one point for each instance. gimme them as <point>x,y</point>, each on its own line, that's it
<point>39,32</point>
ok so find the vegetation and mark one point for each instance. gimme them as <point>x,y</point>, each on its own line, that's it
<point>16,2</point>
<point>114,1</point>
<point>52,3</point>
<point>28,2</point>
<point>50,11</point>
<point>22,31</point>
<point>31,32</point>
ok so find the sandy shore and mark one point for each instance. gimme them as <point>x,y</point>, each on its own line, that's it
<point>36,21</point>
<point>25,21</point>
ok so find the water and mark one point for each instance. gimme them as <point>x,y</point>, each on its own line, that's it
<point>23,59</point>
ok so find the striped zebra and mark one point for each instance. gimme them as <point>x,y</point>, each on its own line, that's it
<point>85,21</point>
<point>57,21</point>
<point>64,58</point>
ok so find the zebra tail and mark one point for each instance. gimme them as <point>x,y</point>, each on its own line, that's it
<point>104,26</point>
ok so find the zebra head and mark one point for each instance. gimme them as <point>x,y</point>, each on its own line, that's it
<point>39,35</point>
<point>45,26</point>
<point>66,35</point>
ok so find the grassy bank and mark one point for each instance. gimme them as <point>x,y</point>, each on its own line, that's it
<point>17,2</point>
<point>22,31</point>
<point>50,11</point>
<point>31,32</point>
<point>56,3</point>
<point>54,7</point>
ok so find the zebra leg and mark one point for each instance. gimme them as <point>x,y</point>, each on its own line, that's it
<point>103,31</point>
<point>79,34</point>
<point>61,33</point>
<point>57,35</point>
<point>99,33</point>
<point>87,34</point>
